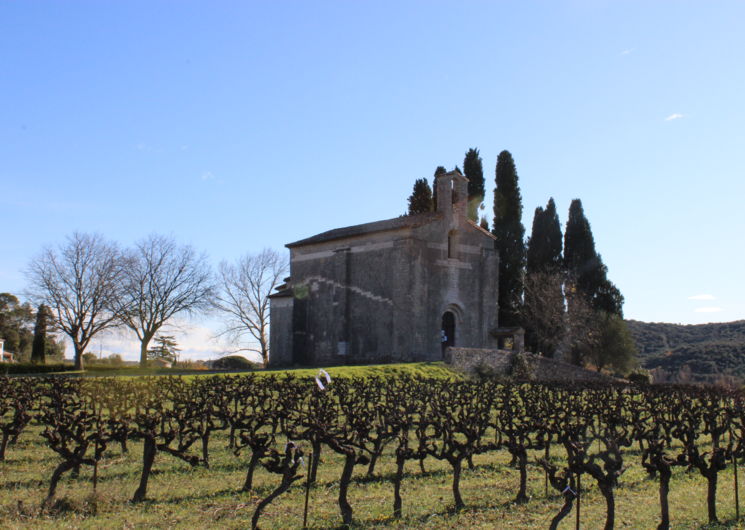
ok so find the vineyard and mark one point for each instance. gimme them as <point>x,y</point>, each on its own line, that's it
<point>291,452</point>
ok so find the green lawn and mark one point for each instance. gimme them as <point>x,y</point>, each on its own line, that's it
<point>421,369</point>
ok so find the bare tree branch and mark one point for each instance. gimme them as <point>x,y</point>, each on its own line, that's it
<point>80,283</point>
<point>162,279</point>
<point>542,311</point>
<point>244,296</point>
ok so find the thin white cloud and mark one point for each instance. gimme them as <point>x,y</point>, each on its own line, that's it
<point>674,116</point>
<point>708,309</point>
<point>702,297</point>
<point>208,175</point>
<point>626,52</point>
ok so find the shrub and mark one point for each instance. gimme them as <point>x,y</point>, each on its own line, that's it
<point>34,368</point>
<point>234,362</point>
<point>640,377</point>
<point>522,368</point>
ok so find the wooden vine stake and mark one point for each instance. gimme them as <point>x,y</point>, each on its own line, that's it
<point>95,465</point>
<point>737,486</point>
<point>307,492</point>
<point>545,473</point>
<point>579,497</point>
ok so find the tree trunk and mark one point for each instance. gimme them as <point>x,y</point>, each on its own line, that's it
<point>711,496</point>
<point>205,449</point>
<point>565,510</point>
<point>231,437</point>
<point>148,456</point>
<point>522,464</point>
<point>400,461</point>
<point>284,486</point>
<point>346,477</point>
<point>665,475</point>
<point>314,461</point>
<point>144,343</point>
<point>248,484</point>
<point>3,445</point>
<point>610,505</point>
<point>78,356</point>
<point>56,476</point>
<point>265,353</point>
<point>374,457</point>
<point>459,505</point>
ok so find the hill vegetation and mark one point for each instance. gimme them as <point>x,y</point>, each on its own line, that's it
<point>691,353</point>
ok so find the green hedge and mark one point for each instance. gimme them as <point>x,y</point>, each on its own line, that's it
<point>33,368</point>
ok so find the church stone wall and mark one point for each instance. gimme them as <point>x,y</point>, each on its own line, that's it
<point>280,338</point>
<point>380,296</point>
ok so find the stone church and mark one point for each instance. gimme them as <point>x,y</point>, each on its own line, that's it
<point>389,291</point>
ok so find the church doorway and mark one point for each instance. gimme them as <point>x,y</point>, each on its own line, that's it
<point>447,330</point>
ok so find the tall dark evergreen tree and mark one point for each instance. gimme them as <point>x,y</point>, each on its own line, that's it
<point>535,246</point>
<point>585,266</point>
<point>420,200</point>
<point>474,171</point>
<point>543,310</point>
<point>438,171</point>
<point>510,233</point>
<point>545,243</point>
<point>39,348</point>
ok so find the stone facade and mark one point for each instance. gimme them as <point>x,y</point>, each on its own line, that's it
<point>389,291</point>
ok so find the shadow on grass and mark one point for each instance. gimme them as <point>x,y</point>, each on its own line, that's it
<point>258,492</point>
<point>30,483</point>
<point>728,523</point>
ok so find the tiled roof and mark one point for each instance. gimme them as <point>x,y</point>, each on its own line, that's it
<point>406,221</point>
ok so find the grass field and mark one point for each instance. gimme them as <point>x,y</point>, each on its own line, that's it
<point>181,496</point>
<point>184,497</point>
<point>421,369</point>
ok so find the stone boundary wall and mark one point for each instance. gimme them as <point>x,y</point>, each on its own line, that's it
<point>473,361</point>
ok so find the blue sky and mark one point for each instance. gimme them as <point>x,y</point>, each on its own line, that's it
<point>237,126</point>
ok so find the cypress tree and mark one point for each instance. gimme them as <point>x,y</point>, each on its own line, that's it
<point>536,244</point>
<point>38,350</point>
<point>474,171</point>
<point>543,311</point>
<point>420,200</point>
<point>585,266</point>
<point>580,257</point>
<point>510,233</point>
<point>545,243</point>
<point>438,171</point>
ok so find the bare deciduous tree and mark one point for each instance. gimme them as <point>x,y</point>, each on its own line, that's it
<point>542,311</point>
<point>596,337</point>
<point>80,283</point>
<point>244,296</point>
<point>162,279</point>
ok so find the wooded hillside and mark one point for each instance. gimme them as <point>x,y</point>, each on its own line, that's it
<point>703,352</point>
